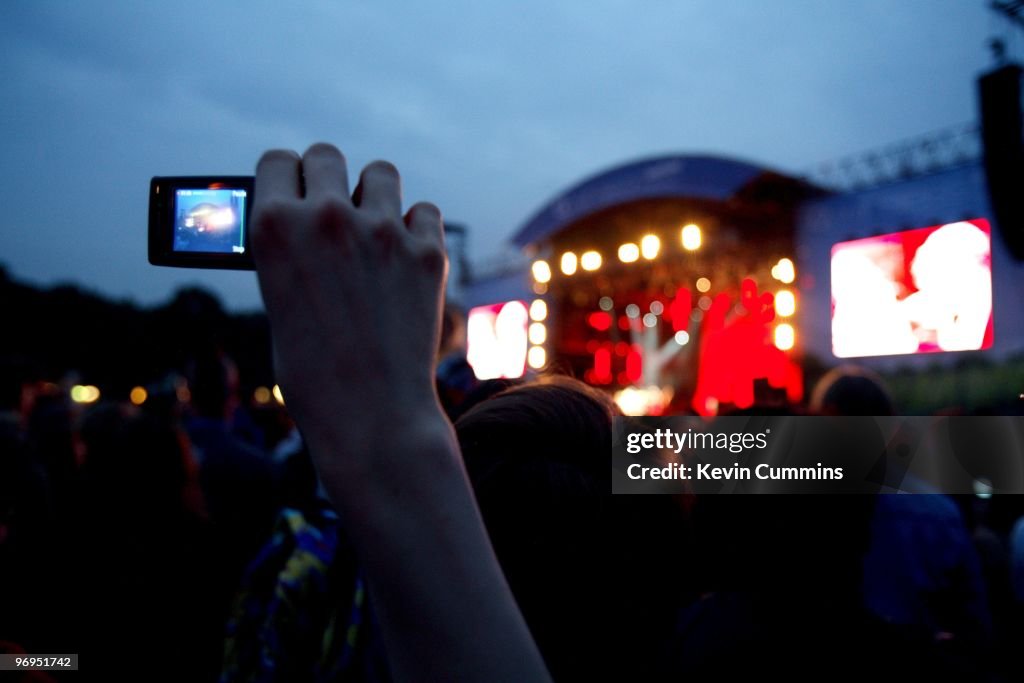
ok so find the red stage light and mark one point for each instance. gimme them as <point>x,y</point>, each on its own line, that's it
<point>603,365</point>
<point>634,364</point>
<point>599,320</point>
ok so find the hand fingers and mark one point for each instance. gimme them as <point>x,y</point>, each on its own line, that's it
<point>278,176</point>
<point>380,189</point>
<point>424,220</point>
<point>325,172</point>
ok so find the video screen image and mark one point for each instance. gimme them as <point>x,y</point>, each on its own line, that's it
<point>209,221</point>
<point>496,340</point>
<point>917,291</point>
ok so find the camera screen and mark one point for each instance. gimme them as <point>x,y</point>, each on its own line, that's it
<point>209,221</point>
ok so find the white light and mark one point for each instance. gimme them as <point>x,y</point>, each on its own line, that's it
<point>704,303</point>
<point>785,337</point>
<point>538,334</point>
<point>785,303</point>
<point>496,339</point>
<point>591,260</point>
<point>538,310</point>
<point>221,219</point>
<point>703,284</point>
<point>642,400</point>
<point>568,263</point>
<point>85,393</point>
<point>629,252</point>
<point>691,238</point>
<point>277,394</point>
<point>650,320</point>
<point>650,245</point>
<point>682,337</point>
<point>633,311</point>
<point>541,271</point>
<point>657,308</point>
<point>784,271</point>
<point>606,303</point>
<point>711,405</point>
<point>537,357</point>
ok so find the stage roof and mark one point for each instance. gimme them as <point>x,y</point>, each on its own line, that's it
<point>693,176</point>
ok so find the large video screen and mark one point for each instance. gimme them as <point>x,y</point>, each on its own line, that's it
<point>916,291</point>
<point>496,340</point>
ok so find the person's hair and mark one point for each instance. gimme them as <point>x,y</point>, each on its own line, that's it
<point>140,463</point>
<point>212,383</point>
<point>538,457</point>
<point>12,379</point>
<point>851,390</point>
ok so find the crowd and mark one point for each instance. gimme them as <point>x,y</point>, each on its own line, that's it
<point>200,538</point>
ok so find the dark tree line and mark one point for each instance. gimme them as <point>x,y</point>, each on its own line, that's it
<point>117,345</point>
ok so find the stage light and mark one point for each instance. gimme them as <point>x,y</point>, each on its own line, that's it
<point>784,271</point>
<point>682,337</point>
<point>600,320</point>
<point>541,271</point>
<point>650,320</point>
<point>785,303</point>
<point>278,396</point>
<point>657,308</point>
<point>568,263</point>
<point>650,245</point>
<point>606,303</point>
<point>785,337</point>
<point>538,310</point>
<point>633,311</point>
<point>691,237</point>
<point>86,393</point>
<point>537,357</point>
<point>703,284</point>
<point>642,400</point>
<point>262,396</point>
<point>538,333</point>
<point>629,252</point>
<point>591,260</point>
<point>138,396</point>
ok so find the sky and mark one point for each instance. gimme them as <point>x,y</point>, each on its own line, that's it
<point>488,109</point>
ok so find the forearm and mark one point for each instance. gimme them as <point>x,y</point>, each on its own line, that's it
<point>341,271</point>
<point>433,577</point>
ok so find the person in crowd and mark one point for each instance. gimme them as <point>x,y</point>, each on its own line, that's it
<point>145,561</point>
<point>395,476</point>
<point>576,559</point>
<point>455,378</point>
<point>27,525</point>
<point>921,570</point>
<point>237,479</point>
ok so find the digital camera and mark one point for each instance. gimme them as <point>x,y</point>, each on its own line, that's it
<point>200,222</point>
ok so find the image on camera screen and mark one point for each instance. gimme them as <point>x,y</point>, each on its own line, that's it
<point>209,221</point>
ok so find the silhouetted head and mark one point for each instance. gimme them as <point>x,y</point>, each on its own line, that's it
<point>213,385</point>
<point>141,464</point>
<point>539,459</point>
<point>851,390</point>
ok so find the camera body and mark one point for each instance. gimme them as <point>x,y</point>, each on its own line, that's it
<point>200,222</point>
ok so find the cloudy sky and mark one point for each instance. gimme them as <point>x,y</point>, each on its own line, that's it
<point>488,109</point>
